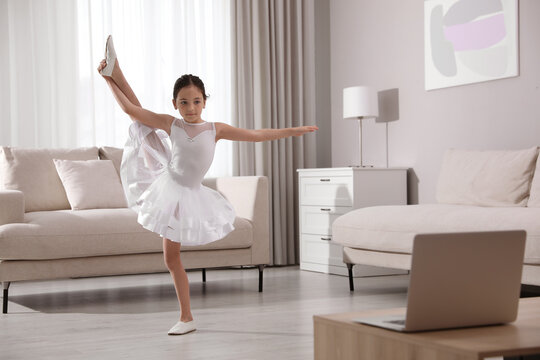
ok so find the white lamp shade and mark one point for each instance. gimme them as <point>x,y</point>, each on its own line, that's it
<point>360,102</point>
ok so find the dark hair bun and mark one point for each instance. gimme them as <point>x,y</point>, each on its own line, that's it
<point>187,80</point>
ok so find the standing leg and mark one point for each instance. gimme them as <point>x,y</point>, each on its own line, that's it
<point>171,253</point>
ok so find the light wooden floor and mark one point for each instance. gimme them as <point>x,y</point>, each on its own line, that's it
<point>127,317</point>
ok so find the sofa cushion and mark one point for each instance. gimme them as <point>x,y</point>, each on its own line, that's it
<point>392,228</point>
<point>91,184</point>
<point>486,178</point>
<point>43,191</point>
<point>65,234</point>
<point>112,153</point>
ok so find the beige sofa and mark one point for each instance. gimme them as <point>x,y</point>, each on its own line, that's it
<point>477,191</point>
<point>41,237</point>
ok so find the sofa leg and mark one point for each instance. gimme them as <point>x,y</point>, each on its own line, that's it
<point>203,275</point>
<point>5,285</point>
<point>351,282</point>
<point>261,268</point>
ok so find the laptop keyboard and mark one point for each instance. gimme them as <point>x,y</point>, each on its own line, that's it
<point>397,322</point>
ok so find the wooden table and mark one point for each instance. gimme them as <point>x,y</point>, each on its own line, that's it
<point>337,337</point>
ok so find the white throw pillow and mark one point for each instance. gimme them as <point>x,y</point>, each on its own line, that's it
<point>486,178</point>
<point>32,171</point>
<point>91,184</point>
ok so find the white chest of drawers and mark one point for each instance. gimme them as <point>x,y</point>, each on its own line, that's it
<point>325,194</point>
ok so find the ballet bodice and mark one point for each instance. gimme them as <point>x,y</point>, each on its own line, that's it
<point>192,148</point>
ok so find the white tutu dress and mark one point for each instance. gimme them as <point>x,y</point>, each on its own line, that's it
<point>163,185</point>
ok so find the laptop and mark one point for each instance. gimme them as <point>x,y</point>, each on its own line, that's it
<point>461,280</point>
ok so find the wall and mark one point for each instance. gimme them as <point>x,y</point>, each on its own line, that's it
<point>381,43</point>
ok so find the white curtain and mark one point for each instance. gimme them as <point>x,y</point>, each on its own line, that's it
<point>52,95</point>
<point>39,73</point>
<point>274,83</point>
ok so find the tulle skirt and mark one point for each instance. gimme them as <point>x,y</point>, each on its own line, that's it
<point>188,215</point>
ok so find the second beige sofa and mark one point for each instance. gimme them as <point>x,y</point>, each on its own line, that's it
<point>477,191</point>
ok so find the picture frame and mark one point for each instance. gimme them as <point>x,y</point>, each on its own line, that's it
<point>468,42</point>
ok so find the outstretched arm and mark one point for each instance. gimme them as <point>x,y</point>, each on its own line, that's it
<point>224,131</point>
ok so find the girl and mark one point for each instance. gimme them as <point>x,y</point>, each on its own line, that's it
<point>164,186</point>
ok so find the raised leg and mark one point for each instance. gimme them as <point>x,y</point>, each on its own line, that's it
<point>203,275</point>
<point>121,81</point>
<point>351,282</point>
<point>261,268</point>
<point>5,285</point>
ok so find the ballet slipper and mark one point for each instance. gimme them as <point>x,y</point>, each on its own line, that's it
<point>110,57</point>
<point>181,328</point>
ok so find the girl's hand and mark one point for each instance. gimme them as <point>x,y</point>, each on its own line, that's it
<point>101,65</point>
<point>301,130</point>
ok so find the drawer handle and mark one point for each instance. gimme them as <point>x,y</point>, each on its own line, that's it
<point>325,209</point>
<point>326,239</point>
<point>325,179</point>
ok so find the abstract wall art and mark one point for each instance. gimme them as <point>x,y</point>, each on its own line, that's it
<point>469,41</point>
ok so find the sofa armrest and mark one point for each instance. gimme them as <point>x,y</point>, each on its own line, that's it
<point>11,206</point>
<point>250,198</point>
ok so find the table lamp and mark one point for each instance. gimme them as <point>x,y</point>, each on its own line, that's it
<point>359,103</point>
